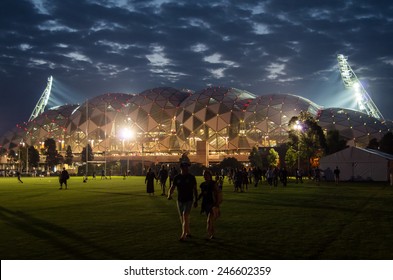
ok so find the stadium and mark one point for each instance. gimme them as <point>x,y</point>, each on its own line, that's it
<point>160,124</point>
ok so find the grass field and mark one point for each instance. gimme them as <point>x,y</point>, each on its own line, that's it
<point>116,219</point>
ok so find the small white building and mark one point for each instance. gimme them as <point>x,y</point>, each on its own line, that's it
<point>357,164</point>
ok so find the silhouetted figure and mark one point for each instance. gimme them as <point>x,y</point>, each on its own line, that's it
<point>336,175</point>
<point>64,176</point>
<point>18,175</point>
<point>163,176</point>
<point>149,181</point>
<point>186,186</point>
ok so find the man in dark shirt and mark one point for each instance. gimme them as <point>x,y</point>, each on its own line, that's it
<point>64,176</point>
<point>186,193</point>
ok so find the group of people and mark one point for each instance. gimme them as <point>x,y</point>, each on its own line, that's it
<point>241,177</point>
<point>161,177</point>
<point>187,196</point>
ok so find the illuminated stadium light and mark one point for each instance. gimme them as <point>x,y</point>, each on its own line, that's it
<point>41,104</point>
<point>350,80</point>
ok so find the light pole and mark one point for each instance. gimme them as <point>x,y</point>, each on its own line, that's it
<point>23,144</point>
<point>298,127</point>
<point>126,134</point>
<point>27,159</point>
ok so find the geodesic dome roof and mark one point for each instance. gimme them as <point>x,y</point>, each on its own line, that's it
<point>166,119</point>
<point>268,116</point>
<point>352,125</point>
<point>151,116</point>
<point>50,124</point>
<point>13,138</point>
<point>213,114</point>
<point>99,118</point>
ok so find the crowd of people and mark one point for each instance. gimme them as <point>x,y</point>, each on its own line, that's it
<point>210,193</point>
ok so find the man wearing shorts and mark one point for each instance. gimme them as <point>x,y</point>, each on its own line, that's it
<point>187,195</point>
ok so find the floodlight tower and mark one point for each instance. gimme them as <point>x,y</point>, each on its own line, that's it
<point>363,100</point>
<point>40,107</point>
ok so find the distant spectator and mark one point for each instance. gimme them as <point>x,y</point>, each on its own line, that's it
<point>336,175</point>
<point>163,176</point>
<point>172,173</point>
<point>149,181</point>
<point>64,176</point>
<point>283,176</point>
<point>18,176</point>
<point>299,175</point>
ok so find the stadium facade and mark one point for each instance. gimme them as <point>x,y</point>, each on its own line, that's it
<point>162,123</point>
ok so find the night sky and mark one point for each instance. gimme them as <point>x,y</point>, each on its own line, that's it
<point>92,47</point>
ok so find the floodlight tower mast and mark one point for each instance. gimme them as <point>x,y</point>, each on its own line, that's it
<point>364,101</point>
<point>40,107</point>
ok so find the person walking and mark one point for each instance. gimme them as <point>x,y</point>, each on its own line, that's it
<point>299,175</point>
<point>238,180</point>
<point>172,173</point>
<point>186,186</point>
<point>163,176</point>
<point>275,176</point>
<point>64,176</point>
<point>336,175</point>
<point>18,175</point>
<point>317,175</point>
<point>269,176</point>
<point>244,180</point>
<point>284,176</point>
<point>210,202</point>
<point>149,181</point>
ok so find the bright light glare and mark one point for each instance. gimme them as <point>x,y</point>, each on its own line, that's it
<point>297,126</point>
<point>356,86</point>
<point>126,133</point>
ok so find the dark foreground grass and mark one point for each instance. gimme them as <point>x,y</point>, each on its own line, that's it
<point>116,219</point>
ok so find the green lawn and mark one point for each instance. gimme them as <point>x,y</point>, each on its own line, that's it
<point>116,219</point>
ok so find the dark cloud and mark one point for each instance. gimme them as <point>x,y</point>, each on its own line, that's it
<point>95,46</point>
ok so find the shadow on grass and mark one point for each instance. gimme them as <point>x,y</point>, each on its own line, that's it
<point>56,235</point>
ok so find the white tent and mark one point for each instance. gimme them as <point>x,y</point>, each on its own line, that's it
<point>358,164</point>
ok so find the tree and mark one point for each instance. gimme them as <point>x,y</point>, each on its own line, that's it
<point>69,157</point>
<point>34,156</point>
<point>307,137</point>
<point>3,151</point>
<point>386,143</point>
<point>90,155</point>
<point>291,157</point>
<point>52,155</point>
<point>273,158</point>
<point>230,162</point>
<point>334,142</point>
<point>373,144</point>
<point>12,155</point>
<point>256,158</point>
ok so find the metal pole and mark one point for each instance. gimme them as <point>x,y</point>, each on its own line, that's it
<point>143,165</point>
<point>19,168</point>
<point>27,159</point>
<point>87,134</point>
<point>106,140</point>
<point>298,154</point>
